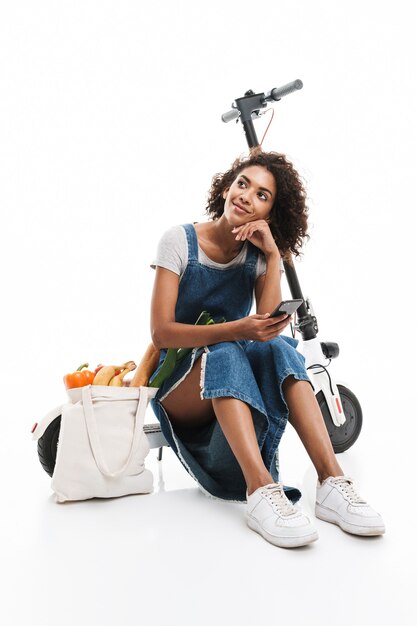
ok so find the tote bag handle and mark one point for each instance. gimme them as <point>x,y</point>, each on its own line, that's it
<point>93,435</point>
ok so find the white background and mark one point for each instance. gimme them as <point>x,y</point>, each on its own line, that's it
<point>110,133</point>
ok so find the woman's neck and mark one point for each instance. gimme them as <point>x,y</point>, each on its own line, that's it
<point>220,233</point>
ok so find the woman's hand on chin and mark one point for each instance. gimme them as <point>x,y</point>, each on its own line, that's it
<point>259,234</point>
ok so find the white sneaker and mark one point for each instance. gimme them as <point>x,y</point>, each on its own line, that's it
<point>338,502</point>
<point>271,514</point>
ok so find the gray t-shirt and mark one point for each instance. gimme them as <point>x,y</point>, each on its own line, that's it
<point>172,254</point>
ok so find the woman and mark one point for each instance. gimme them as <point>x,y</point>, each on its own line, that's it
<point>225,408</point>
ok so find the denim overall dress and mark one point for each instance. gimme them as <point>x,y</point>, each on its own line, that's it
<point>251,371</point>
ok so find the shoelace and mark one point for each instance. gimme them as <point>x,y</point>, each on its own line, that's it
<point>347,487</point>
<point>275,494</point>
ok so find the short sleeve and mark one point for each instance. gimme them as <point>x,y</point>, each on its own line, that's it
<point>261,266</point>
<point>172,251</point>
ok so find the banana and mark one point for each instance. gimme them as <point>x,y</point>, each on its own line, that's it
<point>123,366</point>
<point>117,381</point>
<point>104,376</point>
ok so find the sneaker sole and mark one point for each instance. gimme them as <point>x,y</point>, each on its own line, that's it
<point>282,542</point>
<point>328,515</point>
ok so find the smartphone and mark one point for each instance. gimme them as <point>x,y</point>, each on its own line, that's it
<point>287,306</point>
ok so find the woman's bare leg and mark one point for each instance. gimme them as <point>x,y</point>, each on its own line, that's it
<point>305,416</point>
<point>184,405</point>
<point>186,410</point>
<point>236,421</point>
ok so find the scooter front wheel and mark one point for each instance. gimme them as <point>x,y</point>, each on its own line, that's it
<point>342,437</point>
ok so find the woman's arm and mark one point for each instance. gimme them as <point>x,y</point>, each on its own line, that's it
<point>166,332</point>
<point>268,286</point>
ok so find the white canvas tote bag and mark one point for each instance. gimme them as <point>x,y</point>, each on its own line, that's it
<point>102,445</point>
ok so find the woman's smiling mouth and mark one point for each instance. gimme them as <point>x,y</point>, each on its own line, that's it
<point>239,209</point>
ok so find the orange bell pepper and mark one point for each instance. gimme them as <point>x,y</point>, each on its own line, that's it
<point>80,378</point>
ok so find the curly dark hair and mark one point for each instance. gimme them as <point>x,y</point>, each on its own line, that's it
<point>289,213</point>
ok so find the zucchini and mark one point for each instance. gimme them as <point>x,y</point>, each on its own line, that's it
<point>174,356</point>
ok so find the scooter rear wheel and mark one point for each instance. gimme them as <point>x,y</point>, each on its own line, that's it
<point>47,445</point>
<point>342,437</point>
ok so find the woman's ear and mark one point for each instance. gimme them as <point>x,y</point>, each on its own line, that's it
<point>225,192</point>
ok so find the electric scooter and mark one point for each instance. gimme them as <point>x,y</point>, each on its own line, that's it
<point>339,406</point>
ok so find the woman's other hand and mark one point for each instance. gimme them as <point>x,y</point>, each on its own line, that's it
<point>261,327</point>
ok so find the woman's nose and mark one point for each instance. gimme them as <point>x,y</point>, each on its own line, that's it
<point>245,197</point>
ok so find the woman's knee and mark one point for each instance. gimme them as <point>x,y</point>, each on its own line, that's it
<point>227,365</point>
<point>283,353</point>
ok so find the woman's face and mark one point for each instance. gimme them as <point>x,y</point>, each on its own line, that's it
<point>250,197</point>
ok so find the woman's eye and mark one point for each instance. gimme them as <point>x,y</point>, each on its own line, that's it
<point>261,194</point>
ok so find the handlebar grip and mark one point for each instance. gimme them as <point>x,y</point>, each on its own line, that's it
<point>230,115</point>
<point>279,92</point>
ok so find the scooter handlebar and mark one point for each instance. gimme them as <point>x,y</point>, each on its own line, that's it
<point>279,92</point>
<point>274,95</point>
<point>230,115</point>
